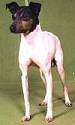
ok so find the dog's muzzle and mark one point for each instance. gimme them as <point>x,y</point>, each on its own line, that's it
<point>14,29</point>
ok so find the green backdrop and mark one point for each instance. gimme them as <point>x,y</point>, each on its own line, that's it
<point>57,16</point>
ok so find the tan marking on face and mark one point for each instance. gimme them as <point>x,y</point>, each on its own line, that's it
<point>24,25</point>
<point>27,24</point>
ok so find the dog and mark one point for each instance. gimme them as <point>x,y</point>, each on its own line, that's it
<point>40,48</point>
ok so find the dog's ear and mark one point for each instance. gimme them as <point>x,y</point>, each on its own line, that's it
<point>13,7</point>
<point>35,7</point>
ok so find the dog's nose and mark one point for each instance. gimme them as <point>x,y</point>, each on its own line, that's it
<point>13,28</point>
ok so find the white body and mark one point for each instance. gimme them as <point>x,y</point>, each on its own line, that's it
<point>41,47</point>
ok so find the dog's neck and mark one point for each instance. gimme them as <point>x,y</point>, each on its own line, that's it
<point>29,39</point>
<point>32,33</point>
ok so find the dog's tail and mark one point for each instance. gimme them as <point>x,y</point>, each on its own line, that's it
<point>53,63</point>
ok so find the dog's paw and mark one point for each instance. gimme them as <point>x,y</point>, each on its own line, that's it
<point>43,104</point>
<point>25,118</point>
<point>68,104</point>
<point>48,119</point>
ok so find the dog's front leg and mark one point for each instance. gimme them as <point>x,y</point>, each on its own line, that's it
<point>48,76</point>
<point>25,92</point>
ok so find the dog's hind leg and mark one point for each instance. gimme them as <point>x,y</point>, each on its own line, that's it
<point>44,102</point>
<point>60,68</point>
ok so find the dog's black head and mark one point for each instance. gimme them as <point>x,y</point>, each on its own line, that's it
<point>25,18</point>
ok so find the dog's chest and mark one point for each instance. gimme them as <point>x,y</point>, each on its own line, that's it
<point>36,48</point>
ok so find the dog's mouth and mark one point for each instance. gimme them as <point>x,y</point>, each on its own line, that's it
<point>13,29</point>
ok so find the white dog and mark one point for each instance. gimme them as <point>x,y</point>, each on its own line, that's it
<point>40,47</point>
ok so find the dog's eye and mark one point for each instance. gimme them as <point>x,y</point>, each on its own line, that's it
<point>26,19</point>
